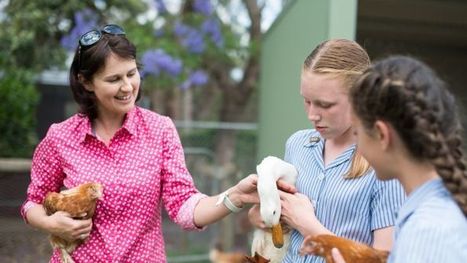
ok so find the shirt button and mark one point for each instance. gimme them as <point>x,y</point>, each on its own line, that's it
<point>321,176</point>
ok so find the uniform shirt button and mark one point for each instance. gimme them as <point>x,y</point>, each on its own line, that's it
<point>321,176</point>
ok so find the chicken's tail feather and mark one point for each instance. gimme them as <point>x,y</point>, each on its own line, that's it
<point>64,247</point>
<point>65,257</point>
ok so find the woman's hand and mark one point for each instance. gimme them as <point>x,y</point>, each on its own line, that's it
<point>255,218</point>
<point>244,192</point>
<point>61,224</point>
<point>246,189</point>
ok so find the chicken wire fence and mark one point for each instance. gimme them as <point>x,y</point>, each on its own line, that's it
<point>20,243</point>
<point>233,232</point>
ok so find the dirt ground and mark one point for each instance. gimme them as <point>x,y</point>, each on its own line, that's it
<point>22,244</point>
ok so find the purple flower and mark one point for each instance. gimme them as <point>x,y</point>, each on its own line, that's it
<point>159,33</point>
<point>203,7</point>
<point>84,20</point>
<point>160,6</point>
<point>212,28</point>
<point>194,42</point>
<point>157,61</point>
<point>196,78</point>
<point>149,61</point>
<point>181,29</point>
<point>69,41</point>
<point>190,38</point>
<point>173,67</point>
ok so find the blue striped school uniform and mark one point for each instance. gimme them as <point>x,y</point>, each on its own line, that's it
<point>430,227</point>
<point>350,208</point>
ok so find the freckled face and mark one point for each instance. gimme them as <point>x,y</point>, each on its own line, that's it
<point>326,103</point>
<point>116,86</point>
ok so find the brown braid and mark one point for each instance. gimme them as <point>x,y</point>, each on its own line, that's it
<point>408,94</point>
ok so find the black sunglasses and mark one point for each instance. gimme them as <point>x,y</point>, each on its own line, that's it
<point>92,37</point>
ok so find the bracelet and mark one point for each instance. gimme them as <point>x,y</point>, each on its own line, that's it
<point>224,198</point>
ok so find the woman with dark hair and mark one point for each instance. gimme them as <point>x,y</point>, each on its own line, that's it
<point>339,193</point>
<point>407,127</point>
<point>134,153</point>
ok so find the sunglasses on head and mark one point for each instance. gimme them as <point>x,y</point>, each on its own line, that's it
<point>92,37</point>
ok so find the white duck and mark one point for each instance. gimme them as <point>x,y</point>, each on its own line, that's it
<point>269,171</point>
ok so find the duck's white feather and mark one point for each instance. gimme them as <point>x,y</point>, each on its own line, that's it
<point>269,171</point>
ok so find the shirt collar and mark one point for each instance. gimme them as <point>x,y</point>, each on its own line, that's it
<point>315,141</point>
<point>129,124</point>
<point>431,188</point>
<point>84,127</point>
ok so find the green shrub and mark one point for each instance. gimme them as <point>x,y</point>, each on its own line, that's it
<point>18,101</point>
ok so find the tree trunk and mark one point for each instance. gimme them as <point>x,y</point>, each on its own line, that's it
<point>166,101</point>
<point>235,97</point>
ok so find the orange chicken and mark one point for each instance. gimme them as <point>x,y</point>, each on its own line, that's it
<point>216,255</point>
<point>256,259</point>
<point>77,201</point>
<point>352,251</point>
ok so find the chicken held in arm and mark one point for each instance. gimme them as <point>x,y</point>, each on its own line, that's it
<point>80,203</point>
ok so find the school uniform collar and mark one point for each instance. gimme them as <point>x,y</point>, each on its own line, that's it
<point>424,192</point>
<point>316,142</point>
<point>343,157</point>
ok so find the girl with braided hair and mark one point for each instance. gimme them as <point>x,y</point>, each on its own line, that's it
<point>407,128</point>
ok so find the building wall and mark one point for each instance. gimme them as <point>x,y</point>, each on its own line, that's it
<point>53,106</point>
<point>433,31</point>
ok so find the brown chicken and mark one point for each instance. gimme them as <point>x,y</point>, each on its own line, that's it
<point>218,255</point>
<point>256,259</point>
<point>352,251</point>
<point>77,201</point>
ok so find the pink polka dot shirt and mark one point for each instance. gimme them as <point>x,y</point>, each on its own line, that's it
<point>141,169</point>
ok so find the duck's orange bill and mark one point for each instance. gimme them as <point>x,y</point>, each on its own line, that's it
<point>277,236</point>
